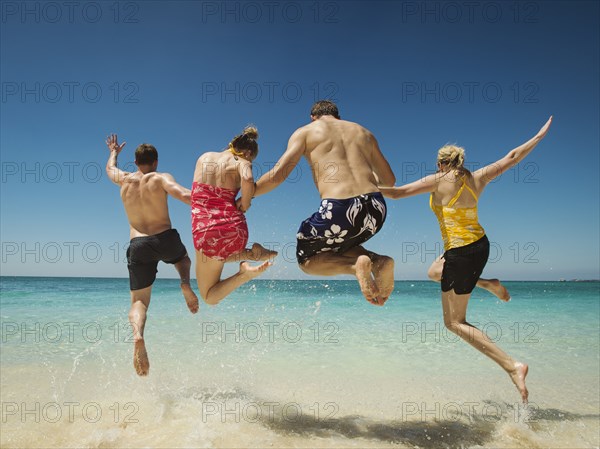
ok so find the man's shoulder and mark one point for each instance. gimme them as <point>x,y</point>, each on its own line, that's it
<point>157,177</point>
<point>356,126</point>
<point>304,129</point>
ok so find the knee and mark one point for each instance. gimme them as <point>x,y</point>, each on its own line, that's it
<point>203,293</point>
<point>452,325</point>
<point>434,273</point>
<point>206,296</point>
<point>136,308</point>
<point>207,299</point>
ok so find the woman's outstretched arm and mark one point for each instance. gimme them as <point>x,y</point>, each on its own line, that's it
<point>423,185</point>
<point>486,174</point>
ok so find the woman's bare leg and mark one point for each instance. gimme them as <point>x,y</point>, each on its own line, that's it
<point>494,286</point>
<point>455,312</point>
<point>208,274</point>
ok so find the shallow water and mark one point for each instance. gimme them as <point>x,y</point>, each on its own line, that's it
<point>295,364</point>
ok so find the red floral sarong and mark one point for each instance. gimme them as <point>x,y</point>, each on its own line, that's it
<point>219,229</point>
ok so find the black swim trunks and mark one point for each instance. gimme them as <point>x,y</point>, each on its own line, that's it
<point>464,265</point>
<point>340,225</point>
<point>144,253</point>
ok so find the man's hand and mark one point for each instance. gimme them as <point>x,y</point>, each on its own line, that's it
<point>114,173</point>
<point>113,144</point>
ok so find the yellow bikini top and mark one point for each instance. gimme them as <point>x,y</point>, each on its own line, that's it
<point>459,226</point>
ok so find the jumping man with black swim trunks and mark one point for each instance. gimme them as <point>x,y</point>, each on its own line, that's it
<point>144,194</point>
<point>347,167</point>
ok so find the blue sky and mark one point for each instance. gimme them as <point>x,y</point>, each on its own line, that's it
<point>187,76</point>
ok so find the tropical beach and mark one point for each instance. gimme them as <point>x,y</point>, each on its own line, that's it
<point>294,357</point>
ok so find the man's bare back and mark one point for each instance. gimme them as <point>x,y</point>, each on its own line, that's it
<point>144,194</point>
<point>344,157</point>
<point>145,200</point>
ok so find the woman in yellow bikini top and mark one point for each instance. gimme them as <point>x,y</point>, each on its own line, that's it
<point>466,247</point>
<point>459,225</point>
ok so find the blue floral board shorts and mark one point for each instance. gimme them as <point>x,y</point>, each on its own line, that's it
<point>340,225</point>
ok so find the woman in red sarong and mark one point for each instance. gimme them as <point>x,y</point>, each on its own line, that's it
<point>219,226</point>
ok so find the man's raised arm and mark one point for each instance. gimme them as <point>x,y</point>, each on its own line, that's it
<point>285,165</point>
<point>115,174</point>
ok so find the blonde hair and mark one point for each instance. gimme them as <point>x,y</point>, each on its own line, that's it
<point>246,141</point>
<point>452,155</point>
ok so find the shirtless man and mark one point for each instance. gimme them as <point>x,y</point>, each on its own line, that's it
<point>144,194</point>
<point>347,167</point>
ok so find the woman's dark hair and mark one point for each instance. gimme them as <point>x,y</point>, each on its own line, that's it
<point>246,141</point>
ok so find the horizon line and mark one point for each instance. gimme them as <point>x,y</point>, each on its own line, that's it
<point>292,279</point>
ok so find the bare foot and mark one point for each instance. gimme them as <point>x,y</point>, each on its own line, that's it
<point>190,297</point>
<point>259,252</point>
<point>368,287</point>
<point>518,376</point>
<point>383,272</point>
<point>140,358</point>
<point>251,272</point>
<point>496,288</point>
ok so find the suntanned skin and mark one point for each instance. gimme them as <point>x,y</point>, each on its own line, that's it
<point>225,170</point>
<point>144,194</point>
<point>346,161</point>
<point>444,185</point>
<point>344,157</point>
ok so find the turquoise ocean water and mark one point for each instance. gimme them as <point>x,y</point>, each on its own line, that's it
<point>295,364</point>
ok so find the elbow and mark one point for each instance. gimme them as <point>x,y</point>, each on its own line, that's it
<point>112,174</point>
<point>250,191</point>
<point>249,180</point>
<point>389,192</point>
<point>388,181</point>
<point>185,196</point>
